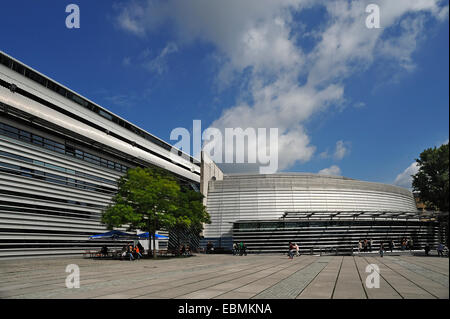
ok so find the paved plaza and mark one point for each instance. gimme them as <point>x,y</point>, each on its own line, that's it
<point>226,276</point>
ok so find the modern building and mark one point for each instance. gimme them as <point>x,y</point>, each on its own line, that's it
<point>318,212</point>
<point>60,158</point>
<point>62,154</point>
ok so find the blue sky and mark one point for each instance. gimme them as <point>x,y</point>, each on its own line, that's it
<point>347,100</point>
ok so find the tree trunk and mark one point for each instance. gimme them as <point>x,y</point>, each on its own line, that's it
<point>154,245</point>
<point>154,240</point>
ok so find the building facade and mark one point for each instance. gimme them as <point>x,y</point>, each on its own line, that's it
<point>316,211</point>
<point>60,158</point>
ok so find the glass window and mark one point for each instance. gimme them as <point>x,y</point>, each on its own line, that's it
<point>5,61</point>
<point>105,115</point>
<point>70,150</point>
<point>18,68</point>
<point>37,140</point>
<point>79,154</point>
<point>79,100</point>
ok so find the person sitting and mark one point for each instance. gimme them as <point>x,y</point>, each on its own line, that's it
<point>130,252</point>
<point>209,248</point>
<point>137,252</point>
<point>141,248</point>
<point>104,251</point>
<point>291,251</point>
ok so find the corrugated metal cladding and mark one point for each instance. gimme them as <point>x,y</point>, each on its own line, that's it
<point>60,158</point>
<point>268,197</point>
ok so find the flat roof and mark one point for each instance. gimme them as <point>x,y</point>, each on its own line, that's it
<point>55,86</point>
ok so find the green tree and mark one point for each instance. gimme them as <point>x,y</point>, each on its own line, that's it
<point>191,214</point>
<point>150,199</point>
<point>431,181</point>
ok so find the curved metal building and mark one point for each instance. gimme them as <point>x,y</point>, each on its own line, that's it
<point>240,207</point>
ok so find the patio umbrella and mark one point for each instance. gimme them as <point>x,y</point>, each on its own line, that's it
<point>114,235</point>
<point>157,236</point>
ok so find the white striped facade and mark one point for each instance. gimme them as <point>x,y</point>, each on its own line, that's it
<point>268,197</point>
<point>60,162</point>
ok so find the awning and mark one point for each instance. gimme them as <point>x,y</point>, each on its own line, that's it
<point>157,236</point>
<point>114,235</point>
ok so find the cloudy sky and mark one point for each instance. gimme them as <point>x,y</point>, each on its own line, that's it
<point>347,100</point>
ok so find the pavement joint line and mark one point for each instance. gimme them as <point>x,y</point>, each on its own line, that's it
<point>223,276</point>
<point>247,284</point>
<point>223,282</point>
<point>198,281</point>
<point>360,278</point>
<point>304,266</point>
<point>423,264</point>
<point>282,283</point>
<point>409,280</point>
<point>422,272</point>
<point>306,286</point>
<point>212,271</point>
<point>150,278</point>
<point>379,273</point>
<point>337,277</point>
<point>330,264</point>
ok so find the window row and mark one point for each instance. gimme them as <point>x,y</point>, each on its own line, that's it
<point>51,199</point>
<point>55,167</point>
<point>19,134</point>
<point>53,178</point>
<point>19,68</point>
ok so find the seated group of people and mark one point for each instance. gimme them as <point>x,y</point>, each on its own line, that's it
<point>133,252</point>
<point>185,250</point>
<point>209,248</point>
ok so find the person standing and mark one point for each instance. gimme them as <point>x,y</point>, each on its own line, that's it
<point>391,245</point>
<point>241,248</point>
<point>440,250</point>
<point>235,249</point>
<point>370,244</point>
<point>297,250</point>
<point>427,249</point>
<point>360,246</point>
<point>381,250</point>
<point>244,249</point>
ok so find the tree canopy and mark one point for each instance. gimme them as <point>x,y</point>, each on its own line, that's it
<point>431,182</point>
<point>150,199</point>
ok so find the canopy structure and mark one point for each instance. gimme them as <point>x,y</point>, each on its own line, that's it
<point>146,236</point>
<point>114,235</point>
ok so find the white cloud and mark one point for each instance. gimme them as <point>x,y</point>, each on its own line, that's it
<point>324,154</point>
<point>159,63</point>
<point>342,149</point>
<point>259,38</point>
<point>332,170</point>
<point>404,179</point>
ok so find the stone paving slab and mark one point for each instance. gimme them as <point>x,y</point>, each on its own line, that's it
<point>349,284</point>
<point>228,277</point>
